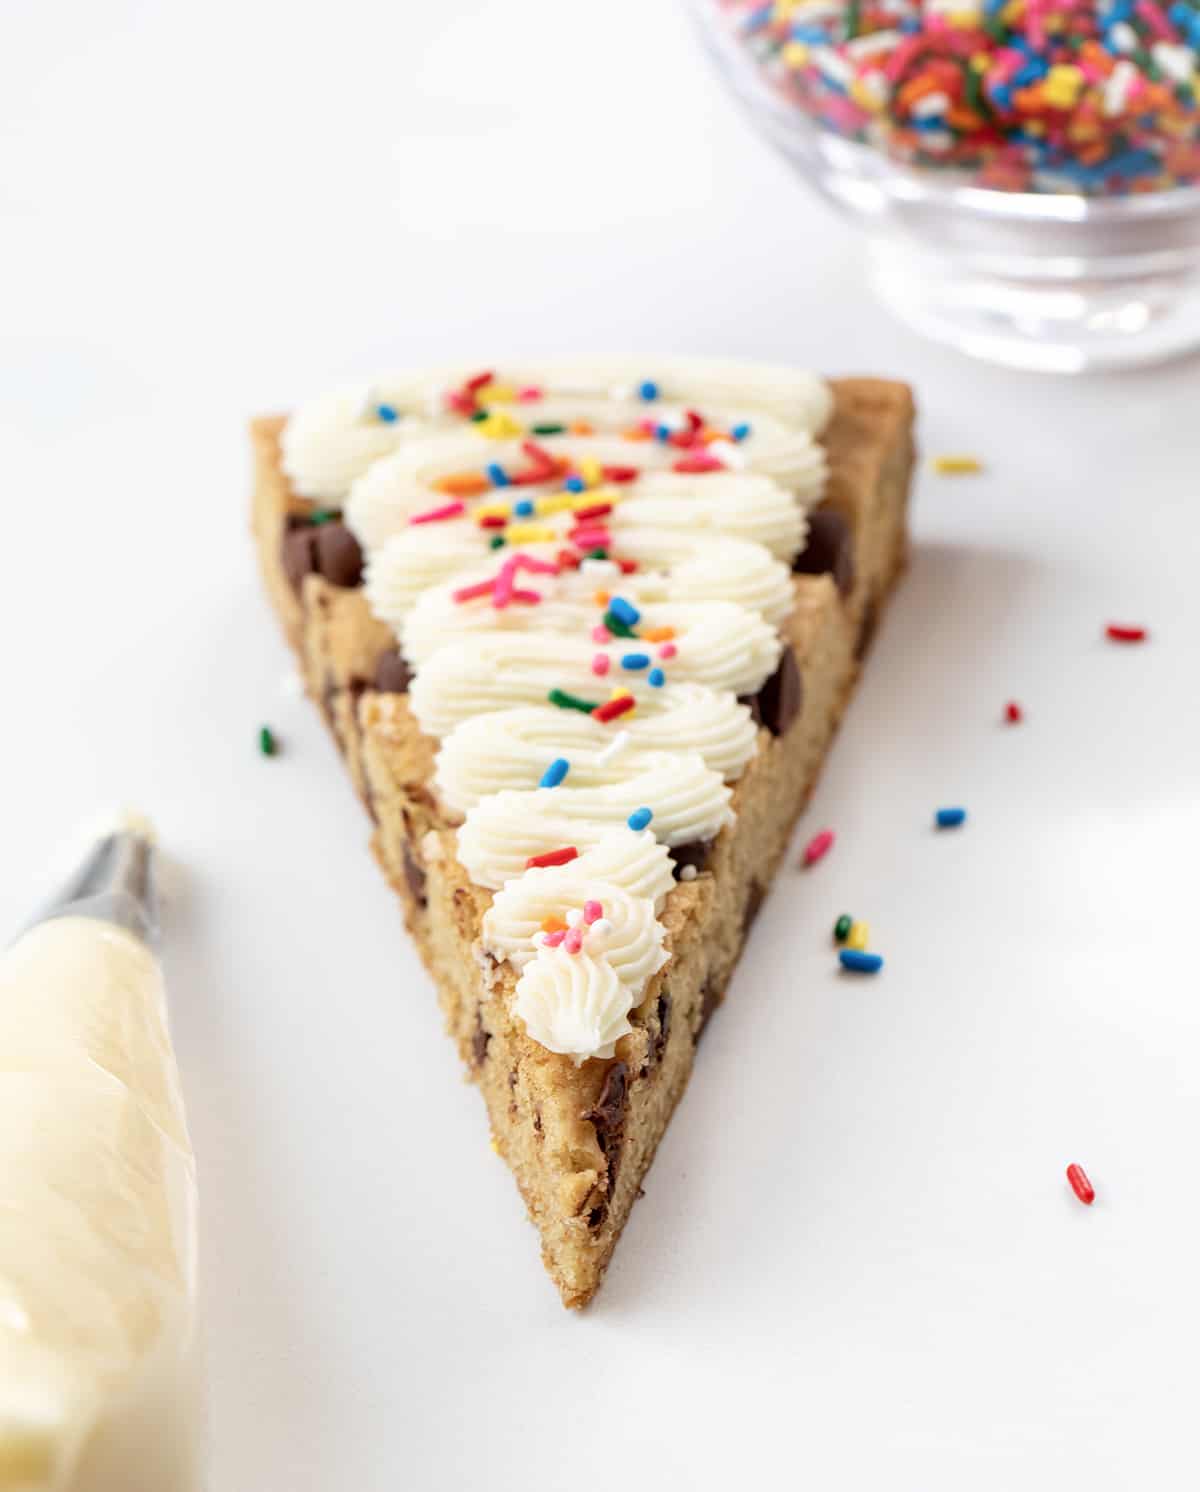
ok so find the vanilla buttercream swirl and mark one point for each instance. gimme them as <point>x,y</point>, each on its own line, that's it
<point>573,1004</point>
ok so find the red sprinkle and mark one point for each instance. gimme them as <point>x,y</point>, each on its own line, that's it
<point>1012,712</point>
<point>695,420</point>
<point>553,857</point>
<point>1080,1185</point>
<point>436,515</point>
<point>1117,632</point>
<point>540,456</point>
<point>593,510</point>
<point>818,847</point>
<point>530,395</point>
<point>530,598</point>
<point>493,520</point>
<point>628,566</point>
<point>614,707</point>
<point>480,380</point>
<point>698,461</point>
<point>620,473</point>
<point>682,439</point>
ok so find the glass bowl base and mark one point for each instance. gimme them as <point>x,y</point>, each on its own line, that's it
<point>1077,325</point>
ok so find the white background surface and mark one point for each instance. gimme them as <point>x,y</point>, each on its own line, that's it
<point>857,1263</point>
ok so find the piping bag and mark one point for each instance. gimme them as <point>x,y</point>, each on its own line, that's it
<point>99,1353</point>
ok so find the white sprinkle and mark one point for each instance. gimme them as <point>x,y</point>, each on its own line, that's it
<point>931,104</point>
<point>834,67</point>
<point>574,917</point>
<point>1117,88</point>
<point>727,452</point>
<point>600,929</point>
<point>599,569</point>
<point>614,748</point>
<point>867,46</point>
<point>1178,62</point>
<point>687,873</point>
<point>1123,37</point>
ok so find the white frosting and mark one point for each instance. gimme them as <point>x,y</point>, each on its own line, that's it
<point>574,1004</point>
<point>711,546</point>
<point>723,647</point>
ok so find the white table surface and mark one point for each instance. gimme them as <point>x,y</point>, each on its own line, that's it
<point>857,1264</point>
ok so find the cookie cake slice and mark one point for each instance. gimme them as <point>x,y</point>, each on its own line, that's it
<point>583,634</point>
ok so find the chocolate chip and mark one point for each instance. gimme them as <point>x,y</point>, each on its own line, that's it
<point>780,698</point>
<point>339,558</point>
<point>696,854</point>
<point>830,549</point>
<point>479,1041</point>
<point>659,1043</point>
<point>415,877</point>
<point>597,1216</point>
<point>751,703</point>
<point>392,673</point>
<point>608,1116</point>
<point>299,554</point>
<point>866,629</point>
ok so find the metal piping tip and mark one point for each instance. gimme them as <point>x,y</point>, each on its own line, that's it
<point>115,882</point>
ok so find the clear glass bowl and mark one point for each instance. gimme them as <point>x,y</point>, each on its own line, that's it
<point>1056,281</point>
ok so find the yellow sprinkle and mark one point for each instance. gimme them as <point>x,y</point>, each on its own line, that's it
<point>795,54</point>
<point>963,19</point>
<point>980,61</point>
<point>619,693</point>
<point>497,393</point>
<point>529,533</point>
<point>491,510</point>
<point>591,471</point>
<point>590,499</point>
<point>865,99</point>
<point>858,936</point>
<point>554,502</point>
<point>498,426</point>
<point>1063,85</point>
<point>957,466</point>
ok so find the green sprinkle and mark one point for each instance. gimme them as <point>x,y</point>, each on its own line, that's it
<point>497,541</point>
<point>617,627</point>
<point>323,515</point>
<point>566,701</point>
<point>480,414</point>
<point>546,429</point>
<point>267,743</point>
<point>853,17</point>
<point>596,554</point>
<point>841,928</point>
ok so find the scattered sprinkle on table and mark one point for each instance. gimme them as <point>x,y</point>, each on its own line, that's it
<point>1121,632</point>
<point>957,466</point>
<point>1013,713</point>
<point>858,937</point>
<point>858,962</point>
<point>841,928</point>
<point>1080,1184</point>
<point>817,847</point>
<point>950,818</point>
<point>267,742</point>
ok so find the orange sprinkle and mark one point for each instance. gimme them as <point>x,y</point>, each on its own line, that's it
<point>601,598</point>
<point>635,432</point>
<point>463,484</point>
<point>656,634</point>
<point>553,924</point>
<point>581,427</point>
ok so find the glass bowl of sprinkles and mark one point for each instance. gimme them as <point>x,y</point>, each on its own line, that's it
<point>1027,171</point>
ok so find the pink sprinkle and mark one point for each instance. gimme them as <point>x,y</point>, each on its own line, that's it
<point>529,395</point>
<point>573,939</point>
<point>592,912</point>
<point>600,633</point>
<point>471,592</point>
<point>668,650</point>
<point>502,587</point>
<point>528,598</point>
<point>552,940</point>
<point>699,461</point>
<point>818,847</point>
<point>591,538</point>
<point>1155,19</point>
<point>436,515</point>
<point>600,664</point>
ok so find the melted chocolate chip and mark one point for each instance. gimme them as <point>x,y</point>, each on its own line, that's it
<point>695,853</point>
<point>780,698</point>
<point>830,549</point>
<point>299,554</point>
<point>659,1044</point>
<point>597,1216</point>
<point>479,1041</point>
<point>339,558</point>
<point>866,629</point>
<point>415,877</point>
<point>392,673</point>
<point>608,1116</point>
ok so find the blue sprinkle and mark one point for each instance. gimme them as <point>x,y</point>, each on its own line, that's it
<point>1033,71</point>
<point>639,818</point>
<point>555,772</point>
<point>575,484</point>
<point>860,963</point>
<point>740,432</point>
<point>911,24</point>
<point>950,818</point>
<point>648,390</point>
<point>624,612</point>
<point>634,661</point>
<point>496,474</point>
<point>656,678</point>
<point>387,413</point>
<point>663,432</point>
<point>524,508</point>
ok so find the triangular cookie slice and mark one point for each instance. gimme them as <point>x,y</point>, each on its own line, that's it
<point>583,634</point>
